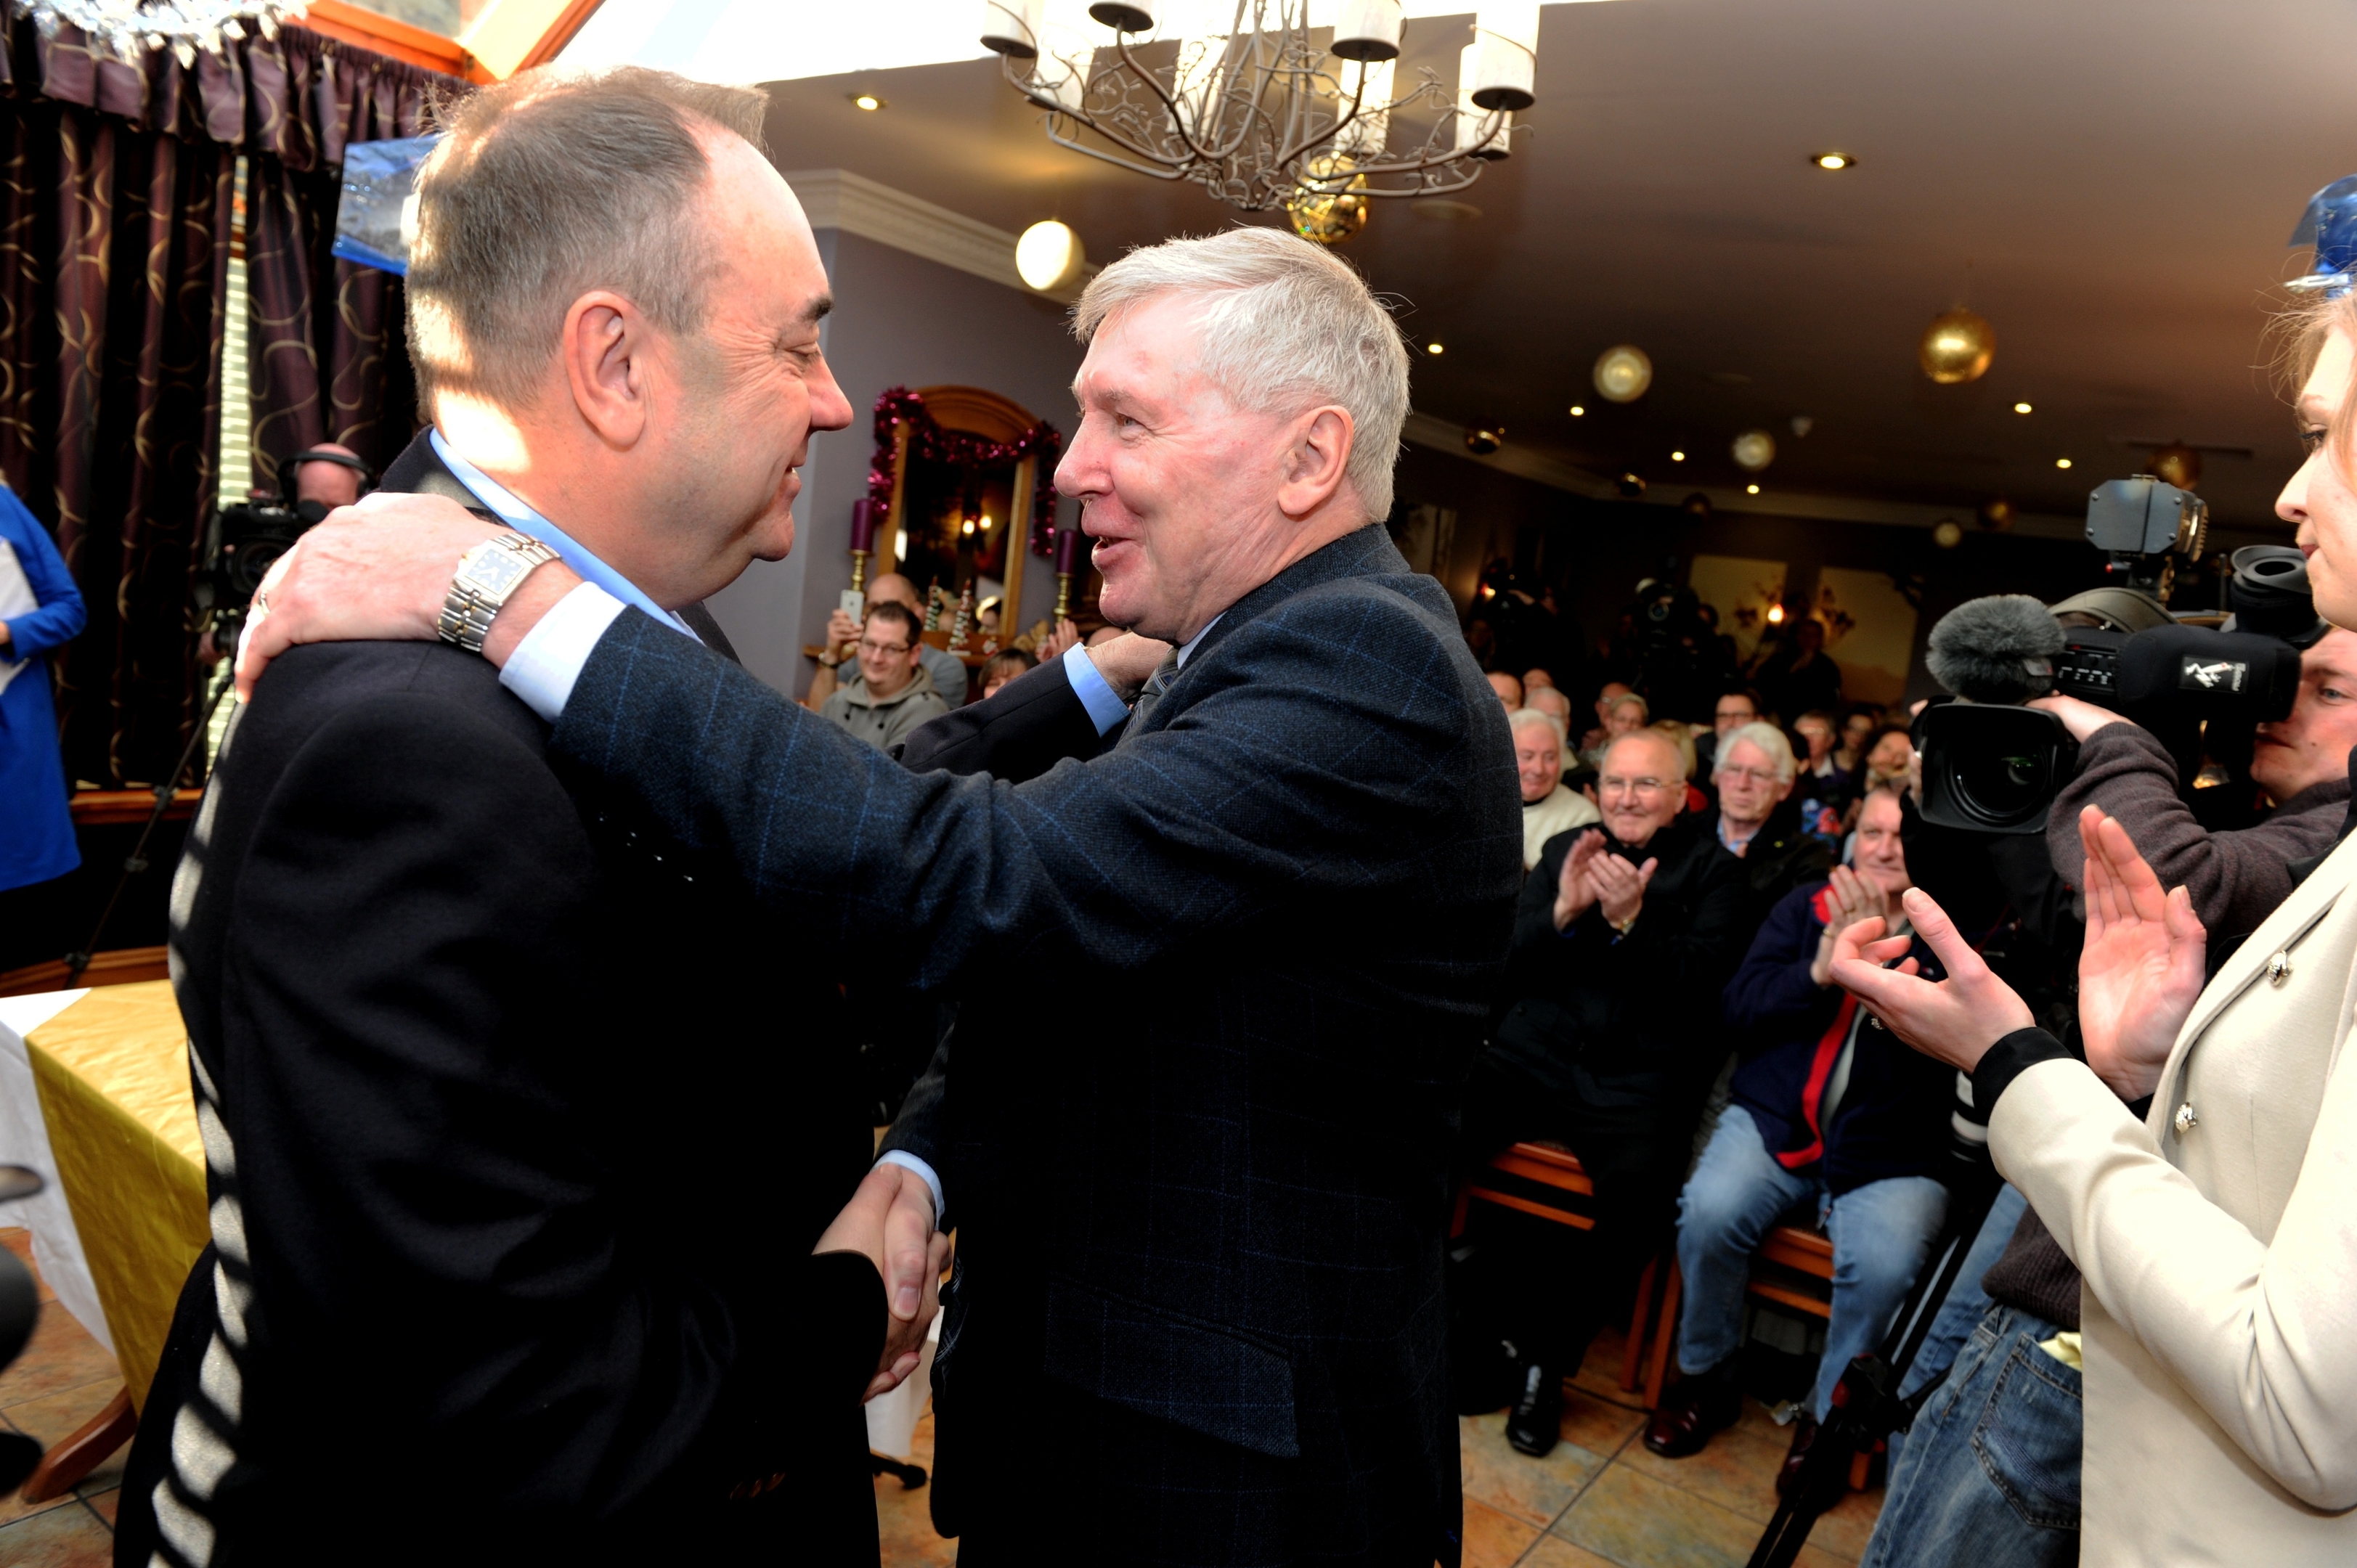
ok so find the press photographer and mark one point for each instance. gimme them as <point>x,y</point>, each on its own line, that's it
<point>246,537</point>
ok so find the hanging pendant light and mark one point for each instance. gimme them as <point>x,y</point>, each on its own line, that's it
<point>1958,347</point>
<point>1622,373</point>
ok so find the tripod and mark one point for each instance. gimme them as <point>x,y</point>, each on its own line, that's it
<point>1865,1405</point>
<point>136,861</point>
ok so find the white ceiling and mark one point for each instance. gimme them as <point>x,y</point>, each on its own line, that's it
<point>2109,183</point>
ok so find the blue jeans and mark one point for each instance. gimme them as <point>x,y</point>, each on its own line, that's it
<point>1961,1312</point>
<point>1989,1478</point>
<point>1738,1193</point>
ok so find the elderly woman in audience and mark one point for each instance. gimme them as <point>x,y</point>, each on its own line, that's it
<point>1827,1112</point>
<point>1625,715</point>
<point>1548,808</point>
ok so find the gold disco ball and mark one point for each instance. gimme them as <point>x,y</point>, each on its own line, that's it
<point>1946,535</point>
<point>1957,347</point>
<point>2179,463</point>
<point>1999,516</point>
<point>1622,373</point>
<point>1483,439</point>
<point>1753,450</point>
<point>1329,216</point>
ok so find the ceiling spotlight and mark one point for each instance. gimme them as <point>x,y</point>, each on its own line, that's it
<point>1677,457</point>
<point>2021,408</point>
<point>1833,163</point>
<point>869,102</point>
<point>969,525</point>
<point>1775,612</point>
<point>1751,489</point>
<point>2061,462</point>
<point>1578,412</point>
<point>1050,257</point>
<point>1432,348</point>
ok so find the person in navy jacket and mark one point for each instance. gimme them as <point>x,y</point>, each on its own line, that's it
<point>1829,1113</point>
<point>40,609</point>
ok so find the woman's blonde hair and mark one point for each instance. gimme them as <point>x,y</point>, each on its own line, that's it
<point>2299,334</point>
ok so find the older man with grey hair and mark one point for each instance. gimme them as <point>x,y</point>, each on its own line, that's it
<point>1198,1288</point>
<point>1548,806</point>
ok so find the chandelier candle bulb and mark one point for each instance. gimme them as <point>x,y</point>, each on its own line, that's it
<point>1369,84</point>
<point>1012,27</point>
<point>1368,30</point>
<point>1505,61</point>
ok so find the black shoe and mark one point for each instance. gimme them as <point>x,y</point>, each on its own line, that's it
<point>1535,1424</point>
<point>1788,1474</point>
<point>1690,1412</point>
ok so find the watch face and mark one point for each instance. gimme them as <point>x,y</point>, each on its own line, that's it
<point>494,572</point>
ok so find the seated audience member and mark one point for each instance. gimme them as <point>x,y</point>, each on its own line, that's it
<point>947,670</point>
<point>1101,636</point>
<point>1824,784</point>
<point>1601,1048</point>
<point>1886,761</point>
<point>1548,808</point>
<point>1509,690</point>
<point>1537,680</point>
<point>2234,879</point>
<point>1608,694</point>
<point>893,693</point>
<point>1731,709</point>
<point>1680,734</point>
<point>1551,702</point>
<point>1758,820</point>
<point>1827,1113</point>
<point>1626,715</point>
<point>1003,667</point>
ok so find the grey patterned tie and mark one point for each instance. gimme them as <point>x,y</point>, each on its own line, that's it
<point>1151,693</point>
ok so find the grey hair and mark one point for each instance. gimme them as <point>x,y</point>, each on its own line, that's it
<point>1768,738</point>
<point>547,186</point>
<point>1524,719</point>
<point>1286,325</point>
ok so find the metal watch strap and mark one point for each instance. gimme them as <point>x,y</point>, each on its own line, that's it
<point>467,611</point>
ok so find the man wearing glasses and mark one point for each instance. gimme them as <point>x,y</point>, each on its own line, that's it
<point>1624,938</point>
<point>893,693</point>
<point>1757,818</point>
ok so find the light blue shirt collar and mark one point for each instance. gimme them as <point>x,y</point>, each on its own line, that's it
<point>524,520</point>
<point>1188,647</point>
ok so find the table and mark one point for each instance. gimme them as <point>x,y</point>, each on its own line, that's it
<point>94,1095</point>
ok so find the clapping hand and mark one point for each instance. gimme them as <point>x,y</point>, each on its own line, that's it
<point>1056,643</point>
<point>1574,893</point>
<point>1849,898</point>
<point>1594,877</point>
<point>1954,1021</point>
<point>2143,965</point>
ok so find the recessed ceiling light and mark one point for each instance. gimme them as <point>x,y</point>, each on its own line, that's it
<point>1432,348</point>
<point>1751,489</point>
<point>1833,163</point>
<point>869,102</point>
<point>1577,411</point>
<point>2021,408</point>
<point>1677,457</point>
<point>2061,462</point>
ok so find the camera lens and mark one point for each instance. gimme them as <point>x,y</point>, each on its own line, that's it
<point>2002,787</point>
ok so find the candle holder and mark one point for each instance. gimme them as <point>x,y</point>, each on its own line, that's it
<point>1068,566</point>
<point>862,542</point>
<point>859,571</point>
<point>1064,596</point>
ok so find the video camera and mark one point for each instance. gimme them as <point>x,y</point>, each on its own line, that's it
<point>247,538</point>
<point>1991,764</point>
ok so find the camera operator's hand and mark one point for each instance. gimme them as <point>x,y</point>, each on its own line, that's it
<point>1849,898</point>
<point>2143,966</point>
<point>1955,1021</point>
<point>379,572</point>
<point>2082,719</point>
<point>1574,891</point>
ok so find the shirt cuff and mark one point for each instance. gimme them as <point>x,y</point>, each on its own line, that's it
<point>908,1161</point>
<point>2008,1059</point>
<point>552,654</point>
<point>1106,711</point>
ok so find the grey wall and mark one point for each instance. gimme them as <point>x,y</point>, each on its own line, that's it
<point>899,320</point>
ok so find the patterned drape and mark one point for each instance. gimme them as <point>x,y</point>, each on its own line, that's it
<point>115,230</point>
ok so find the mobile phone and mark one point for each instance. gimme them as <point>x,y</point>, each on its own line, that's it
<point>855,603</point>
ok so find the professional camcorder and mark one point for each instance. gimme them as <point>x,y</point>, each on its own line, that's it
<point>248,537</point>
<point>1993,766</point>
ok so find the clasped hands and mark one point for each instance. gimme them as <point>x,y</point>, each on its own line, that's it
<point>1594,877</point>
<point>2139,972</point>
<point>889,1219</point>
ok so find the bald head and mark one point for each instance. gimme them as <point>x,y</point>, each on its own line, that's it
<point>322,479</point>
<point>1642,786</point>
<point>892,588</point>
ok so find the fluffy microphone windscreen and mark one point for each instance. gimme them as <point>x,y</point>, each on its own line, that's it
<point>2000,648</point>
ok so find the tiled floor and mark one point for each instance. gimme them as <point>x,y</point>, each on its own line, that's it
<point>62,1380</point>
<point>1599,1500</point>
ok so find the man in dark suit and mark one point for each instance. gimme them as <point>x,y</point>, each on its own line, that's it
<point>1218,984</point>
<point>520,1135</point>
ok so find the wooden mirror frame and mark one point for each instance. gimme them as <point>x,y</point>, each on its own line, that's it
<point>995,418</point>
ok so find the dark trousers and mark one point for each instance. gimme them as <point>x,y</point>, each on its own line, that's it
<point>1635,1149</point>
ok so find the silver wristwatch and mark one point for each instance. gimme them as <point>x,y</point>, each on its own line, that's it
<point>487,575</point>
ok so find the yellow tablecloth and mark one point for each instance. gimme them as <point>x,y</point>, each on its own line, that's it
<point>113,1074</point>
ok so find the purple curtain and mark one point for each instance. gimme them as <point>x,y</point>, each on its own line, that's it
<point>114,233</point>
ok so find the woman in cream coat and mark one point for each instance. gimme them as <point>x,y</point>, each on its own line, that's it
<point>2218,1233</point>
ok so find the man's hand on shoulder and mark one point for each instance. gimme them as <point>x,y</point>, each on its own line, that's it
<point>379,572</point>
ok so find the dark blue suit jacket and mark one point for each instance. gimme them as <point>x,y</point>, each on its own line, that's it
<point>1219,988</point>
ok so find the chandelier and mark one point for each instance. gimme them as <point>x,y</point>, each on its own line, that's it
<point>1237,96</point>
<point>128,29</point>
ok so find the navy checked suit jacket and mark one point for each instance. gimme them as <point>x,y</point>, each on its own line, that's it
<point>1219,988</point>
